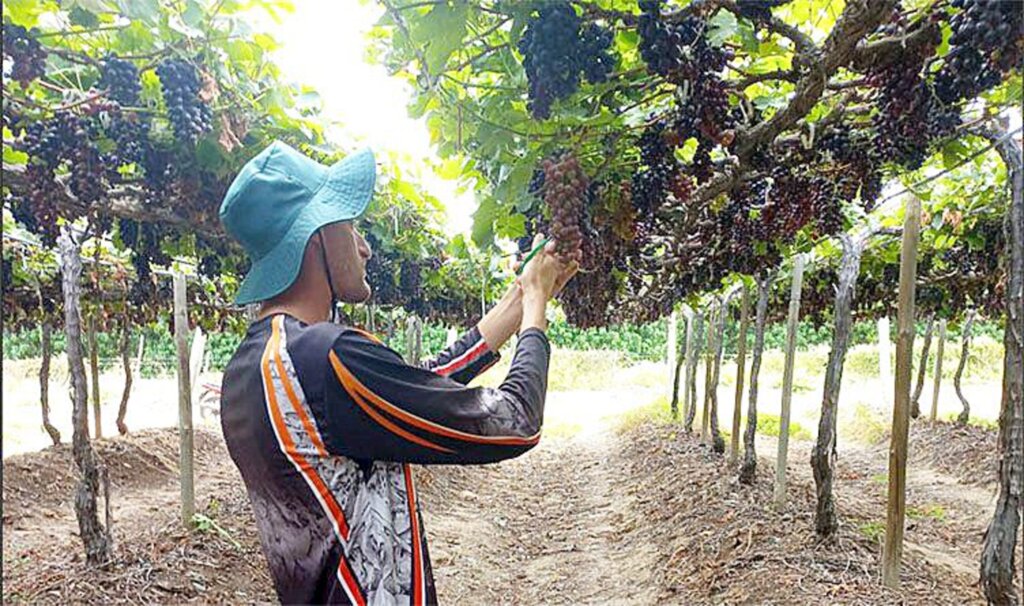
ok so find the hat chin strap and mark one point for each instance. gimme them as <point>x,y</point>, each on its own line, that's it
<point>335,301</point>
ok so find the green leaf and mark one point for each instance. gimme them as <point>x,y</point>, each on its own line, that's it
<point>83,17</point>
<point>450,168</point>
<point>748,37</point>
<point>953,153</point>
<point>483,222</point>
<point>210,156</point>
<point>14,157</point>
<point>441,31</point>
<point>146,10</point>
<point>722,27</point>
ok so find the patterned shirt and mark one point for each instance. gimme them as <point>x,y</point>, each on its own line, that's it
<point>323,422</point>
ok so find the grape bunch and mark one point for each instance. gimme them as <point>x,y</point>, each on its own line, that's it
<point>190,116</point>
<point>662,43</point>
<point>565,187</point>
<point>986,43</point>
<point>130,135</point>
<point>120,78</point>
<point>27,56</point>
<point>758,10</point>
<point>8,270</point>
<point>556,49</point>
<point>410,284</point>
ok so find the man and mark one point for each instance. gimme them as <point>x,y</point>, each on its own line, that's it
<point>323,421</point>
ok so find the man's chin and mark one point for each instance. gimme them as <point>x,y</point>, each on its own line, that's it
<point>360,296</point>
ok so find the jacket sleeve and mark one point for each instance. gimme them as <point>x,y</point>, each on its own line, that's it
<point>377,407</point>
<point>464,359</point>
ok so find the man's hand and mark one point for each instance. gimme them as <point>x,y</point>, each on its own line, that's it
<point>542,278</point>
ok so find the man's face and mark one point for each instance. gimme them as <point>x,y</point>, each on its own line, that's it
<point>347,254</point>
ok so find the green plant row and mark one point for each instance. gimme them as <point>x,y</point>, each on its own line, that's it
<point>636,343</point>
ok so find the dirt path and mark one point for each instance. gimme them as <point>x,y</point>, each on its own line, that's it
<point>553,526</point>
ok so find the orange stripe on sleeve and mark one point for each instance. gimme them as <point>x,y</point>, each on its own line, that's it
<point>352,384</point>
<point>340,371</point>
<point>296,406</point>
<point>326,498</point>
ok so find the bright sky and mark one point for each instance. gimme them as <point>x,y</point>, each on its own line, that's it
<point>323,45</point>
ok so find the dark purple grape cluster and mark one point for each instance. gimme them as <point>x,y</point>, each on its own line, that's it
<point>130,135</point>
<point>663,43</point>
<point>27,56</point>
<point>190,116</point>
<point>8,271</point>
<point>557,48</point>
<point>986,43</point>
<point>565,187</point>
<point>758,10</point>
<point>120,79</point>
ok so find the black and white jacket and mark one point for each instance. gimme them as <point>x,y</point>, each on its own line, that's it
<point>323,422</point>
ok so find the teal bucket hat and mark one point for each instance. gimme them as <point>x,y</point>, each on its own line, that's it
<point>279,200</point>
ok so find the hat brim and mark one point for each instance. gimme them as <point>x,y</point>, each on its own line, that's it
<point>342,196</point>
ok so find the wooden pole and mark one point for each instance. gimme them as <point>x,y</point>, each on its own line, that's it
<point>142,349</point>
<point>885,358</point>
<point>94,367</point>
<point>188,506</point>
<point>748,469</point>
<point>709,363</point>
<point>787,380</point>
<point>939,347</point>
<point>691,322</point>
<point>741,360</point>
<point>681,356</point>
<point>670,349</point>
<point>691,386</point>
<point>896,509</point>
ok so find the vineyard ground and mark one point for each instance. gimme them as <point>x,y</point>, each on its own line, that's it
<point>616,505</point>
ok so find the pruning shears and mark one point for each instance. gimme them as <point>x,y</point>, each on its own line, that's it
<point>532,254</point>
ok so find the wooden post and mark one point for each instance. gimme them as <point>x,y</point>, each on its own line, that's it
<point>787,380</point>
<point>717,443</point>
<point>741,358</point>
<point>748,470</point>
<point>670,349</point>
<point>895,511</point>
<point>998,564</point>
<point>188,506</point>
<point>691,373</point>
<point>709,363</point>
<point>939,347</point>
<point>95,537</point>
<point>94,367</point>
<point>691,320</point>
<point>885,358</point>
<point>680,359</point>
<point>413,340</point>
<point>195,361</point>
<point>138,355</point>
